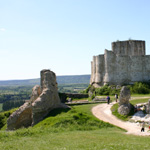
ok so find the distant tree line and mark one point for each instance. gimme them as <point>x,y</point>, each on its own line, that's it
<point>15,89</point>
<point>71,88</point>
<point>12,104</point>
<point>12,97</point>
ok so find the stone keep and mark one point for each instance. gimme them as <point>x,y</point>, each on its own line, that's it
<point>126,63</point>
<point>44,98</point>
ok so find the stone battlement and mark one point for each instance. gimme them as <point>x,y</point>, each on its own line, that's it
<point>130,47</point>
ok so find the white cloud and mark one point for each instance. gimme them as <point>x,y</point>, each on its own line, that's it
<point>2,29</point>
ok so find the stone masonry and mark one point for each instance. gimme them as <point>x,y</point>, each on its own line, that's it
<point>126,63</point>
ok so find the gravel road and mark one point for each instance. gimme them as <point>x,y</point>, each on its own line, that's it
<point>103,112</point>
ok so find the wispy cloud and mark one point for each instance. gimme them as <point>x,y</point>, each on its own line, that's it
<point>2,29</point>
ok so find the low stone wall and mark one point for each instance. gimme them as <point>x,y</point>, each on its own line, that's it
<point>76,95</point>
<point>63,96</point>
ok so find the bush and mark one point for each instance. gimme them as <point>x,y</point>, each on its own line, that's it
<point>136,88</point>
<point>91,97</point>
<point>4,116</point>
<point>107,90</point>
<point>140,88</point>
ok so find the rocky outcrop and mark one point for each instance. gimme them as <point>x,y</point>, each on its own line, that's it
<point>124,105</point>
<point>43,100</point>
<point>48,98</point>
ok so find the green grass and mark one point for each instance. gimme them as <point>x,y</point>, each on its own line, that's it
<point>140,95</point>
<point>75,129</point>
<point>77,118</point>
<point>137,101</point>
<point>102,139</point>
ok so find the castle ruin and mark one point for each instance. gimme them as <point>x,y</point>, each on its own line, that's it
<point>125,64</point>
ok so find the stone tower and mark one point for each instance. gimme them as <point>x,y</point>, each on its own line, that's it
<point>129,48</point>
<point>126,63</point>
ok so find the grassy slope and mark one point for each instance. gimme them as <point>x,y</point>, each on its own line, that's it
<point>78,118</point>
<point>45,136</point>
<point>76,140</point>
<point>137,101</point>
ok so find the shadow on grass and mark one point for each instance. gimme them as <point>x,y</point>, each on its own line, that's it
<point>57,111</point>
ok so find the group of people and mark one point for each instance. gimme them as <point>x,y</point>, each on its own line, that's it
<point>143,126</point>
<point>108,98</point>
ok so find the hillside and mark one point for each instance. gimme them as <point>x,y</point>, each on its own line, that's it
<point>73,79</point>
<point>70,129</point>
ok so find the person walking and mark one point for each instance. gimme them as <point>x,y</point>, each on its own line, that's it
<point>116,97</point>
<point>148,127</point>
<point>108,99</point>
<point>143,126</point>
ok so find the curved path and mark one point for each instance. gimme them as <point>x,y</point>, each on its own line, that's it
<point>103,112</point>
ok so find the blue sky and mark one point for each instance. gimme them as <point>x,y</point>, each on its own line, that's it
<point>64,35</point>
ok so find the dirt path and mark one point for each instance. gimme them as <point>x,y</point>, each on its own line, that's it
<point>134,98</point>
<point>103,112</point>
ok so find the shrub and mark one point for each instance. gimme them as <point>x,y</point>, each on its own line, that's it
<point>140,88</point>
<point>107,90</point>
<point>4,116</point>
<point>136,88</point>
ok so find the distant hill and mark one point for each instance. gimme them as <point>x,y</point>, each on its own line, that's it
<point>69,79</point>
<point>73,79</point>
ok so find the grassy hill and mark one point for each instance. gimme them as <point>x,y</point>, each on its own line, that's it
<point>74,129</point>
<point>73,79</point>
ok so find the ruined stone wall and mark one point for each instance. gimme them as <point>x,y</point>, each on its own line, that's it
<point>117,68</point>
